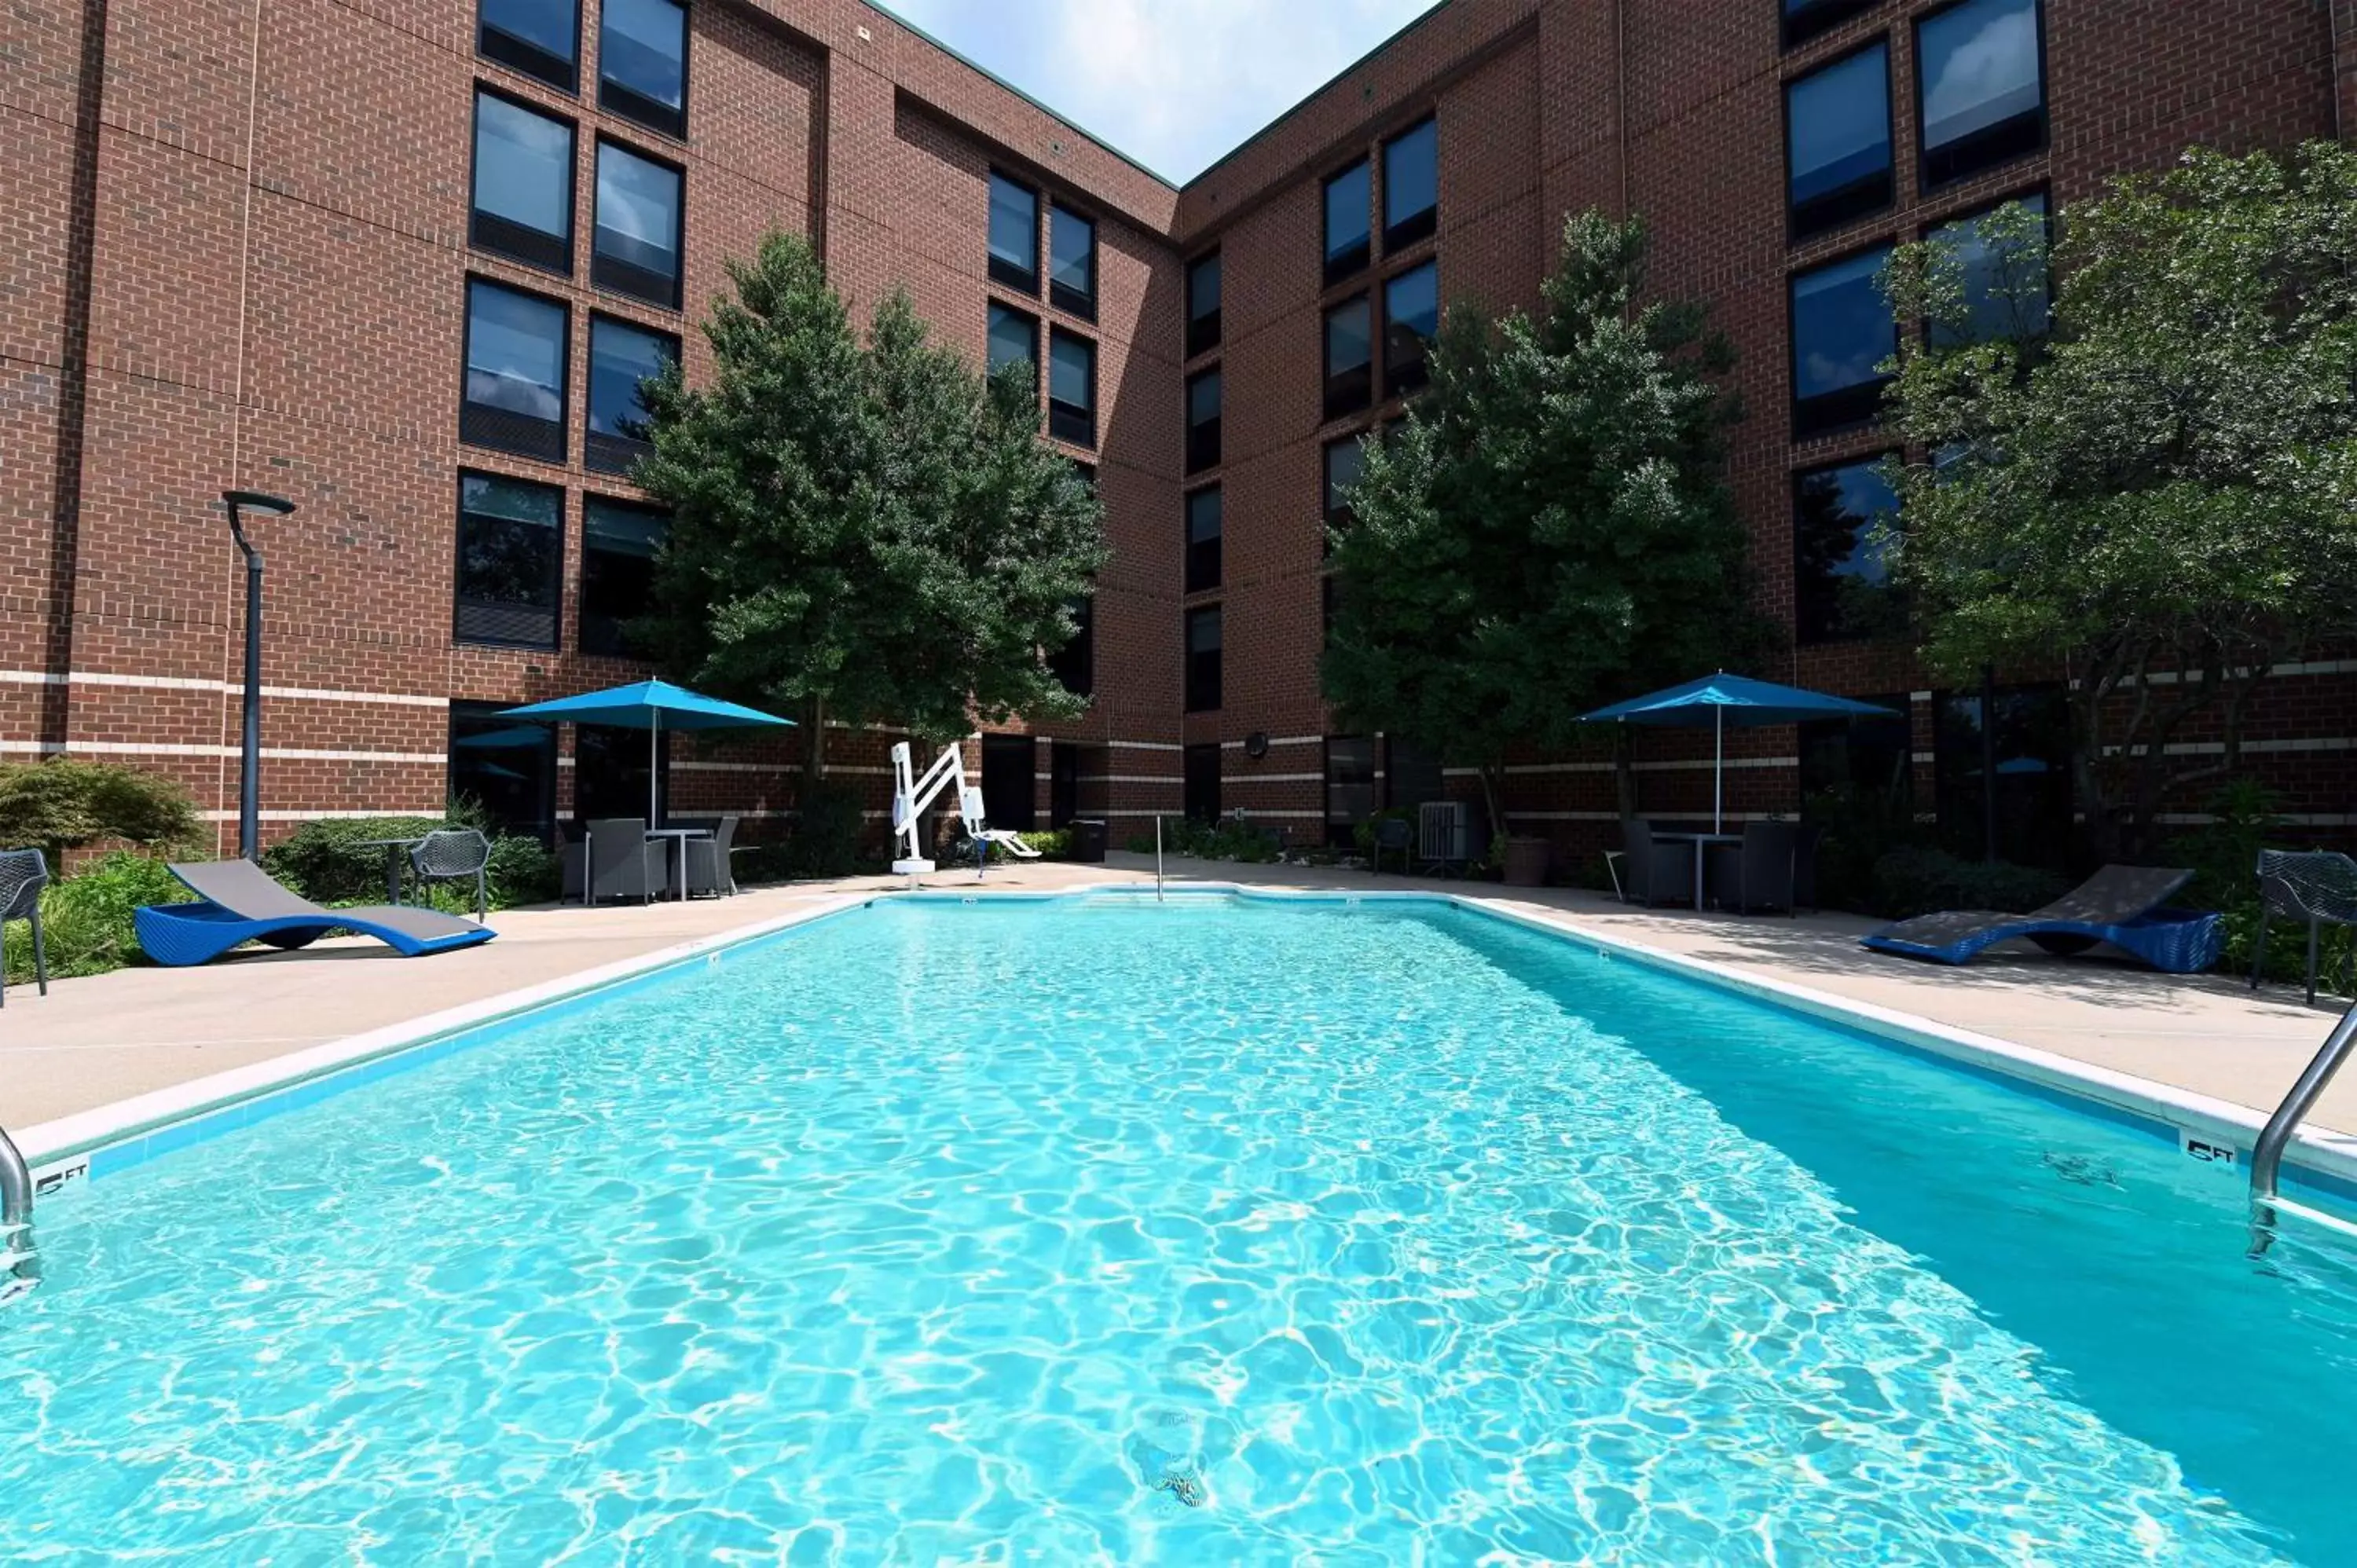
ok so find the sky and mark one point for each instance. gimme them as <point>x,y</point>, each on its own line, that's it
<point>1176,84</point>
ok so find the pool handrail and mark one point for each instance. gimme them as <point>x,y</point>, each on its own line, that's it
<point>2266,1158</point>
<point>16,1214</point>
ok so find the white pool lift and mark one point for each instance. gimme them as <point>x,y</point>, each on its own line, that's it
<point>912,797</point>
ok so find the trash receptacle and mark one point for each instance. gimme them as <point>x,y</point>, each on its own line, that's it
<point>1088,840</point>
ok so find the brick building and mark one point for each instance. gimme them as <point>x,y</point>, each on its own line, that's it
<point>403,264</point>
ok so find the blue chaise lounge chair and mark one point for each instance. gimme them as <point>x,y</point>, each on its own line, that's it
<point>239,902</point>
<point>2121,905</point>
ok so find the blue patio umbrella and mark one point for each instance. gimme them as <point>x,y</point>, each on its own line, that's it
<point>1722,700</point>
<point>651,705</point>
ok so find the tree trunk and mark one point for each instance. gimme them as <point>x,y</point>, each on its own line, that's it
<point>1493,792</point>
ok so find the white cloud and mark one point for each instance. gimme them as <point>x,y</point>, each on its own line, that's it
<point>1174,83</point>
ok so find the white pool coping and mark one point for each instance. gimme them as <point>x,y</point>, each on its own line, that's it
<point>2213,1130</point>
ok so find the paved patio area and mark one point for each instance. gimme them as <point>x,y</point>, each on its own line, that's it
<point>96,1041</point>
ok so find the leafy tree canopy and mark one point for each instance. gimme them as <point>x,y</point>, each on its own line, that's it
<point>872,534</point>
<point>2163,482</point>
<point>1551,528</point>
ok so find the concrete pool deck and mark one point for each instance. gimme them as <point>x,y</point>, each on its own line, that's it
<point>99,1041</point>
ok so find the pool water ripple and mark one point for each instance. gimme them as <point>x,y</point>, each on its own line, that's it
<point>1058,1235</point>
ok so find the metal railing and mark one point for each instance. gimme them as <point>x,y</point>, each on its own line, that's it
<point>17,1259</point>
<point>1158,857</point>
<point>2266,1160</point>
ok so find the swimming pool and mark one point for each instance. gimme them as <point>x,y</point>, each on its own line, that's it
<point>1220,1232</point>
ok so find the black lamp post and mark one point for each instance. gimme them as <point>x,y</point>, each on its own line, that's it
<point>249,815</point>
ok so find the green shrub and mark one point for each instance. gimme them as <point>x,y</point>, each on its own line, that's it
<point>522,871</point>
<point>824,839</point>
<point>1862,826</point>
<point>86,920</point>
<point>1228,839</point>
<point>2224,856</point>
<point>1910,882</point>
<point>321,861</point>
<point>65,802</point>
<point>1054,844</point>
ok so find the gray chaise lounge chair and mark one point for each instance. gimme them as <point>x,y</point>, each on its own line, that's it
<point>2121,905</point>
<point>239,902</point>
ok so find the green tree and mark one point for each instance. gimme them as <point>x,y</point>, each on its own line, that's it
<point>2155,495</point>
<point>1551,528</point>
<point>866,533</point>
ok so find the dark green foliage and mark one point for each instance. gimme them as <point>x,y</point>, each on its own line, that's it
<point>65,802</point>
<point>1228,840</point>
<point>2167,482</point>
<point>86,920</point>
<point>1910,882</point>
<point>2224,857</point>
<point>1551,528</point>
<point>871,533</point>
<point>1861,826</point>
<point>824,839</point>
<point>321,861</point>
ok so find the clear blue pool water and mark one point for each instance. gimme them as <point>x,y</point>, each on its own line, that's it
<point>1218,1232</point>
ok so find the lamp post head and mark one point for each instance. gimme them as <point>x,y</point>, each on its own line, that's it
<point>255,500</point>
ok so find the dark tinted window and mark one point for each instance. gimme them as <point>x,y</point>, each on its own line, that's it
<point>1872,758</point>
<point>1837,141</point>
<point>539,37</point>
<point>1804,19</point>
<point>510,561</point>
<point>1349,372</point>
<point>642,62</point>
<point>1203,659</point>
<point>2030,742</point>
<point>2007,291</point>
<point>1074,665</point>
<point>1411,186</point>
<point>1203,518</point>
<point>1014,234</point>
<point>1842,329</point>
<point>1013,340</point>
<point>1347,207</point>
<point>1201,776</point>
<point>506,767</point>
<point>524,183</point>
<point>620,356</point>
<point>1344,460</point>
<point>1071,388</point>
<point>618,554</point>
<point>1980,80</point>
<point>514,399</point>
<point>1841,587</point>
<point>1203,305</point>
<point>637,241</point>
<point>1203,421</point>
<point>1071,262</point>
<point>1350,787</point>
<point>1411,317</point>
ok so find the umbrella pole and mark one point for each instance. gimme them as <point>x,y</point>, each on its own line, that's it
<point>1718,772</point>
<point>654,774</point>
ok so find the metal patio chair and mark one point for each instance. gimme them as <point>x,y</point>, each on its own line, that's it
<point>623,864</point>
<point>709,869</point>
<point>2317,887</point>
<point>23,874</point>
<point>453,854</point>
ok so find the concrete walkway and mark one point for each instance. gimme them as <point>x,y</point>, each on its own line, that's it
<point>96,1041</point>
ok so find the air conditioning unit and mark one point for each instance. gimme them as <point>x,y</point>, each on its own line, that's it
<point>1444,832</point>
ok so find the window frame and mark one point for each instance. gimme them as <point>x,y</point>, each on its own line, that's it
<point>1927,180</point>
<point>1348,392</point>
<point>1004,274</point>
<point>1860,198</point>
<point>657,117</point>
<point>1846,408</point>
<point>1194,692</point>
<point>581,618</point>
<point>1081,650</point>
<point>2040,192</point>
<point>1399,233</point>
<point>1080,426</point>
<point>1203,341</point>
<point>1071,301</point>
<point>991,310</point>
<point>1200,766</point>
<point>1204,560</point>
<point>1360,256</point>
<point>678,235</point>
<point>600,451</point>
<point>1819,17</point>
<point>486,715</point>
<point>1204,451</point>
<point>562,266</point>
<point>1418,370</point>
<point>1336,518</point>
<point>459,638</point>
<point>554,454</point>
<point>525,57</point>
<point>1814,623</point>
<point>1341,832</point>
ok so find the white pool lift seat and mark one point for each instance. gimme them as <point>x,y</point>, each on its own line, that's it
<point>912,796</point>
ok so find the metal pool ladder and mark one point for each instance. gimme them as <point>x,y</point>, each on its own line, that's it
<point>19,1270</point>
<point>2266,1160</point>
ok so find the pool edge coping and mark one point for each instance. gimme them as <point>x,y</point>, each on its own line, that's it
<point>63,1147</point>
